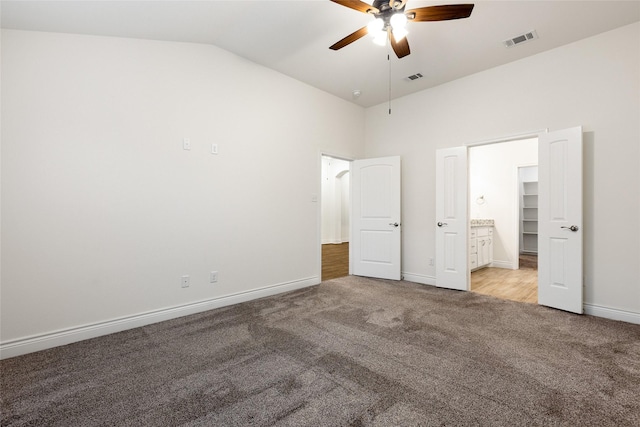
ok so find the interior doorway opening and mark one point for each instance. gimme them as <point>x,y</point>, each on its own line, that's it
<point>560,251</point>
<point>503,212</point>
<point>335,217</point>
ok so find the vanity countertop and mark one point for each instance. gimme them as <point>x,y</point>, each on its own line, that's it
<point>482,223</point>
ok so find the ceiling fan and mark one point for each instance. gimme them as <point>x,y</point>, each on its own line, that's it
<point>391,18</point>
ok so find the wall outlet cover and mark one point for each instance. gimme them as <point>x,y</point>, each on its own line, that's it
<point>185,281</point>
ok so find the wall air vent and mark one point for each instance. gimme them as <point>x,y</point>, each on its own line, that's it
<point>415,76</point>
<point>531,35</point>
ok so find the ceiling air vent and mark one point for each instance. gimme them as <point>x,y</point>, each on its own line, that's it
<point>531,35</point>
<point>415,76</point>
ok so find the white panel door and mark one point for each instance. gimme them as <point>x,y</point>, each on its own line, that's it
<point>452,241</point>
<point>560,220</point>
<point>375,208</point>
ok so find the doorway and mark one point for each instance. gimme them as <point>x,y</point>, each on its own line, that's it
<point>498,175</point>
<point>560,277</point>
<point>335,217</point>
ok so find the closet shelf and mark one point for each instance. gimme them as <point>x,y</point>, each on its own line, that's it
<point>528,216</point>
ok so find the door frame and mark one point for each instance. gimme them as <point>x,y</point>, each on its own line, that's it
<point>498,140</point>
<point>514,195</point>
<point>317,198</point>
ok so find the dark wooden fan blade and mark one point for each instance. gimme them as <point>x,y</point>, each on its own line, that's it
<point>350,38</point>
<point>440,13</point>
<point>401,48</point>
<point>358,5</point>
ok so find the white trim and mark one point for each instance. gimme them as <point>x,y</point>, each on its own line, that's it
<point>34,343</point>
<point>419,278</point>
<point>612,313</point>
<point>590,309</point>
<point>507,138</point>
<point>503,264</point>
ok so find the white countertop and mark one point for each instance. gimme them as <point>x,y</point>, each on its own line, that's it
<point>482,223</point>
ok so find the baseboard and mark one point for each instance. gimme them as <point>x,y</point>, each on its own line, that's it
<point>612,313</point>
<point>31,344</point>
<point>591,309</point>
<point>419,278</point>
<point>503,264</point>
<point>35,343</point>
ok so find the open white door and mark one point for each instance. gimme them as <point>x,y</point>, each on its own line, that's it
<point>375,218</point>
<point>452,242</point>
<point>560,220</point>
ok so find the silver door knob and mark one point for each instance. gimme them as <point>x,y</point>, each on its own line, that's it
<point>395,224</point>
<point>572,228</point>
<point>440,224</point>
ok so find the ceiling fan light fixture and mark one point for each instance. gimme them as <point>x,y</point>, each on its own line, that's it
<point>380,38</point>
<point>397,4</point>
<point>375,26</point>
<point>391,19</point>
<point>399,33</point>
<point>398,21</point>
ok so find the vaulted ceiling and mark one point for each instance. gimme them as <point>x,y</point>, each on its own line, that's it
<point>293,37</point>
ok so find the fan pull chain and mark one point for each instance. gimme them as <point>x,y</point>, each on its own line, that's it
<point>389,61</point>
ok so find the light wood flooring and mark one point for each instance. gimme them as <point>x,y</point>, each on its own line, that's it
<point>515,285</point>
<point>335,261</point>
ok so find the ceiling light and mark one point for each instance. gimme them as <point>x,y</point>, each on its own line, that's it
<point>378,28</point>
<point>375,26</point>
<point>399,33</point>
<point>380,38</point>
<point>398,21</point>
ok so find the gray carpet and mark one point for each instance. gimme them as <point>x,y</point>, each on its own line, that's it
<point>349,352</point>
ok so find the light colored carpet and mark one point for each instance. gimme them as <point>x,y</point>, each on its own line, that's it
<point>351,351</point>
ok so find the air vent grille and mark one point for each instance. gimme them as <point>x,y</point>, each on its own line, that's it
<point>522,38</point>
<point>415,76</point>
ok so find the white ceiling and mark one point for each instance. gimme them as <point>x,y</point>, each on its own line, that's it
<point>293,37</point>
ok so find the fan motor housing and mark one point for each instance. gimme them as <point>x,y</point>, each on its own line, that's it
<point>385,9</point>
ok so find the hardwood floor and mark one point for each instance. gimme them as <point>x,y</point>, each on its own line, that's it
<point>335,261</point>
<point>515,285</point>
<point>528,261</point>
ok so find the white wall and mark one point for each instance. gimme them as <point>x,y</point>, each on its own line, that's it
<point>493,173</point>
<point>103,210</point>
<point>335,200</point>
<point>594,83</point>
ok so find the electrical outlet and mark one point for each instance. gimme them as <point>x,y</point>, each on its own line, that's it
<point>431,262</point>
<point>185,281</point>
<point>213,277</point>
<point>186,144</point>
